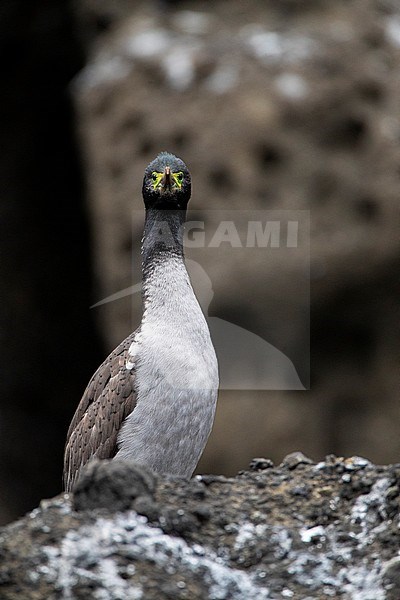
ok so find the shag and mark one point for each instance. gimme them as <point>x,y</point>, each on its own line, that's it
<point>153,399</point>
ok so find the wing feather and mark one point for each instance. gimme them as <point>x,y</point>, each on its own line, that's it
<point>108,399</point>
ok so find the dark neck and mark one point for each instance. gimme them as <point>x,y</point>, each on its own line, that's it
<point>163,236</point>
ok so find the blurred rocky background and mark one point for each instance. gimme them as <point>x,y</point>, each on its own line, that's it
<point>283,105</point>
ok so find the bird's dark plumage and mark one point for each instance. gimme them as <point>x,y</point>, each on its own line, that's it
<point>108,399</point>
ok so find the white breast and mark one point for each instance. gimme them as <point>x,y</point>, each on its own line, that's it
<point>176,375</point>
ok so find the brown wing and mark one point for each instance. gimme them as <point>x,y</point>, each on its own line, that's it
<point>108,399</point>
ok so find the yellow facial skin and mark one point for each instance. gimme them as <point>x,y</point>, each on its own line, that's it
<point>158,179</point>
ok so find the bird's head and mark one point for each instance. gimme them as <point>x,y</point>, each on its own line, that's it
<point>166,183</point>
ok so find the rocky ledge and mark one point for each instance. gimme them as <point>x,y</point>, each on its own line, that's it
<point>300,530</point>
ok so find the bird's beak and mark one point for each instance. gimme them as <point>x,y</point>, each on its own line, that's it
<point>166,180</point>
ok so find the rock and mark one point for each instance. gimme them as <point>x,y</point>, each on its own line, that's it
<point>391,576</point>
<point>259,464</point>
<point>112,484</point>
<point>236,541</point>
<point>294,459</point>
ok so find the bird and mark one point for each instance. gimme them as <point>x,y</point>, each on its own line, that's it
<point>154,397</point>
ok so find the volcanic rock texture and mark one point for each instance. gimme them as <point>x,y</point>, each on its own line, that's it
<point>301,530</point>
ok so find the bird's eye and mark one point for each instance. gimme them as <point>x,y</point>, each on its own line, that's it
<point>178,178</point>
<point>156,178</point>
